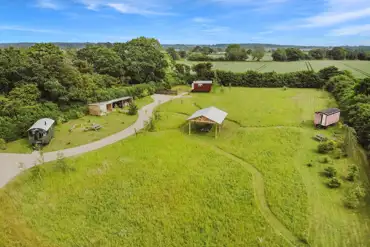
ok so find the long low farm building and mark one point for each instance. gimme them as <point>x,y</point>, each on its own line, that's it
<point>103,108</point>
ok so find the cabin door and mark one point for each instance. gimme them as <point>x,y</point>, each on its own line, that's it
<point>323,120</point>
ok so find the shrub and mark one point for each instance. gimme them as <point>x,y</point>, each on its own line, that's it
<point>326,147</point>
<point>330,172</point>
<point>150,125</point>
<point>337,154</point>
<point>132,109</point>
<point>309,164</point>
<point>325,160</point>
<point>38,172</point>
<point>2,144</point>
<point>61,164</point>
<point>334,183</point>
<point>353,173</point>
<point>354,196</point>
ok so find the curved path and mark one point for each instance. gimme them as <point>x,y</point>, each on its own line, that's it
<point>259,192</point>
<point>13,164</point>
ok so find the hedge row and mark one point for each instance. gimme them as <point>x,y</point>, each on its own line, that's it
<point>300,79</point>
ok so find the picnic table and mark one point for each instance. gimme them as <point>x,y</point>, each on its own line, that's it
<point>94,127</point>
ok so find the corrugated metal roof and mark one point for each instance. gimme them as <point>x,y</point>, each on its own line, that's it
<point>202,82</point>
<point>211,113</point>
<point>329,111</point>
<point>44,124</point>
<point>112,101</point>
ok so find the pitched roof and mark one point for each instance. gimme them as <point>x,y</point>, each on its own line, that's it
<point>202,82</point>
<point>44,124</point>
<point>329,111</point>
<point>212,113</point>
<point>112,101</point>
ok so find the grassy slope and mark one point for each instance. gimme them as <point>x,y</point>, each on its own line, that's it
<point>142,196</point>
<point>283,67</point>
<point>112,123</point>
<point>169,189</point>
<point>280,145</point>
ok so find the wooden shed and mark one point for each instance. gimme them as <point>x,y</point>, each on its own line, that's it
<point>327,117</point>
<point>41,132</point>
<point>201,86</point>
<point>103,108</point>
<point>212,116</point>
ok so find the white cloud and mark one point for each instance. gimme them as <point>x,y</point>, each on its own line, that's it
<point>202,20</point>
<point>352,30</point>
<point>150,7</point>
<point>132,9</point>
<point>26,29</point>
<point>48,4</point>
<point>332,18</point>
<point>336,12</point>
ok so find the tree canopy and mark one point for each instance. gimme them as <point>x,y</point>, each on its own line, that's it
<point>236,53</point>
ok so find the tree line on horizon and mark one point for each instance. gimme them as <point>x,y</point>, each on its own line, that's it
<point>236,52</point>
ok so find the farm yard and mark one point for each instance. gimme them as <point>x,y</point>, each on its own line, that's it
<point>360,69</point>
<point>249,187</point>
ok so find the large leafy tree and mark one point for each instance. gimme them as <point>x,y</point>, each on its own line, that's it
<point>202,70</point>
<point>317,53</point>
<point>104,60</point>
<point>258,53</point>
<point>15,69</point>
<point>294,54</point>
<point>279,55</point>
<point>235,52</point>
<point>144,60</point>
<point>173,53</point>
<point>337,53</point>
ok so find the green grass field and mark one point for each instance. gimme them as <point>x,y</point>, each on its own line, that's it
<point>360,69</point>
<point>112,123</point>
<point>167,188</point>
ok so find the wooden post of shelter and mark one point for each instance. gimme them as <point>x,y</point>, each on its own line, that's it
<point>189,127</point>
<point>216,131</point>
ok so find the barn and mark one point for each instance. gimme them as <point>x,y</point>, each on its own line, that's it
<point>327,117</point>
<point>209,116</point>
<point>103,108</point>
<point>41,132</point>
<point>201,86</point>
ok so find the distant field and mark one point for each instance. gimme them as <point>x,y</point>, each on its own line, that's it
<point>360,69</point>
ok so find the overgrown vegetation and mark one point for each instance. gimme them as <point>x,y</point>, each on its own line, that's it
<point>45,81</point>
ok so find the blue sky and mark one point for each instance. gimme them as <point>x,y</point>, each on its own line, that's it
<point>303,22</point>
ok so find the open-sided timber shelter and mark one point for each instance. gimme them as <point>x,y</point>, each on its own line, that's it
<point>41,132</point>
<point>103,108</point>
<point>211,115</point>
<point>327,117</point>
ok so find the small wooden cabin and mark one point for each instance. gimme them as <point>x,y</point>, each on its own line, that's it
<point>103,108</point>
<point>201,86</point>
<point>327,117</point>
<point>41,132</point>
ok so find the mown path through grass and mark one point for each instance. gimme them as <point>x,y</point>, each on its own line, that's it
<point>259,192</point>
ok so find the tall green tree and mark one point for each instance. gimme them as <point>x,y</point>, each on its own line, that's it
<point>258,53</point>
<point>173,53</point>
<point>294,54</point>
<point>144,60</point>
<point>337,53</point>
<point>279,55</point>
<point>317,54</point>
<point>235,52</point>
